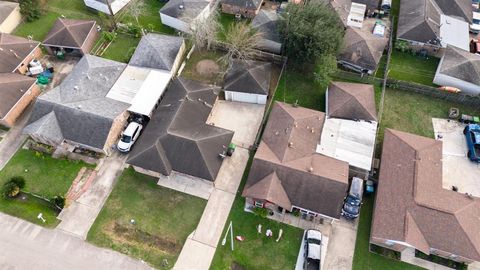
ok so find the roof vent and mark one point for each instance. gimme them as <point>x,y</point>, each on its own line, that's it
<point>277,133</point>
<point>180,6</point>
<point>295,124</point>
<point>79,107</point>
<point>310,169</point>
<point>290,144</point>
<point>75,87</point>
<point>312,130</point>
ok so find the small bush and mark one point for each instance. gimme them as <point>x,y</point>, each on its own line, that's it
<point>134,29</point>
<point>30,10</point>
<point>263,212</point>
<point>58,202</point>
<point>13,187</point>
<point>19,181</point>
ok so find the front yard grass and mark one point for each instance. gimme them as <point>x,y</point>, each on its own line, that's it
<point>45,176</point>
<point>406,67</point>
<point>163,220</point>
<point>257,251</point>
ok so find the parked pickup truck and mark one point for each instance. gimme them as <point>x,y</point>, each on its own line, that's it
<point>313,250</point>
<point>472,135</point>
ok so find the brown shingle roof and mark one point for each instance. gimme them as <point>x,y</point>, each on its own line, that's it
<point>310,180</point>
<point>269,188</point>
<point>351,101</point>
<point>12,88</point>
<point>13,50</point>
<point>69,33</point>
<point>412,206</point>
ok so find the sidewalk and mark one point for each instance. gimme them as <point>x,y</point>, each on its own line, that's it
<point>199,249</point>
<point>81,214</point>
<point>14,138</point>
<point>25,245</point>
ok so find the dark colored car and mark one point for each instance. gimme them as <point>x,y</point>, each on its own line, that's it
<point>472,135</point>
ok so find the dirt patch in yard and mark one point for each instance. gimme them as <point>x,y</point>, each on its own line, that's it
<point>129,234</point>
<point>207,68</point>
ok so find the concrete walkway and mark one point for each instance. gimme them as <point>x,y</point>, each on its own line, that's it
<point>14,138</point>
<point>199,249</point>
<point>24,245</point>
<point>341,245</point>
<point>80,215</point>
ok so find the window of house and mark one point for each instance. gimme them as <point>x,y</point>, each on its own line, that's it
<point>389,243</point>
<point>258,204</point>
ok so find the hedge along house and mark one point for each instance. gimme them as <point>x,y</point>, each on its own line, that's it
<point>77,114</point>
<point>16,93</point>
<point>350,129</point>
<point>73,37</point>
<point>10,16</point>
<point>16,53</point>
<point>288,175</point>
<point>433,24</point>
<point>461,69</point>
<point>177,137</point>
<point>103,5</point>
<point>182,15</point>
<point>245,8</point>
<point>413,212</point>
<point>248,81</point>
<point>266,22</point>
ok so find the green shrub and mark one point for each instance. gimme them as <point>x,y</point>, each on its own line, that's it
<point>18,180</point>
<point>262,212</point>
<point>134,29</point>
<point>109,36</point>
<point>58,202</point>
<point>13,187</point>
<point>30,10</point>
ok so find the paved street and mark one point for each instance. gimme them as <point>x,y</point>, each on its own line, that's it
<point>81,214</point>
<point>25,246</point>
<point>14,138</point>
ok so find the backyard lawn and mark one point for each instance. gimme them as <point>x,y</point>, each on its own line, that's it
<point>257,251</point>
<point>195,71</point>
<point>150,18</point>
<point>406,67</point>
<point>44,176</point>
<point>122,48</point>
<point>163,220</point>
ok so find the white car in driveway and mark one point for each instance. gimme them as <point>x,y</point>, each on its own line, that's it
<point>129,136</point>
<point>475,25</point>
<point>313,250</point>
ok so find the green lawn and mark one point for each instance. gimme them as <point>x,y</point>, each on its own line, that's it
<point>406,67</point>
<point>43,175</point>
<point>190,70</point>
<point>257,251</point>
<point>121,49</point>
<point>150,18</point>
<point>363,259</point>
<point>164,218</point>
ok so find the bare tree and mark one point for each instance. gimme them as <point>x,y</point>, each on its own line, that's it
<point>241,41</point>
<point>136,9</point>
<point>205,30</point>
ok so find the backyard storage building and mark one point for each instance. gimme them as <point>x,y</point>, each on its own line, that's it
<point>248,81</point>
<point>460,69</point>
<point>246,8</point>
<point>102,5</point>
<point>266,22</point>
<point>75,37</point>
<point>183,14</point>
<point>177,137</point>
<point>10,16</point>
<point>16,93</point>
<point>78,113</point>
<point>17,52</point>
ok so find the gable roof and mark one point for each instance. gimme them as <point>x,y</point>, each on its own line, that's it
<point>157,51</point>
<point>351,101</point>
<point>362,49</point>
<point>287,152</point>
<point>248,76</point>
<point>69,33</point>
<point>408,208</point>
<point>177,136</point>
<point>244,4</point>
<point>266,22</point>
<point>420,20</point>
<point>13,50</point>
<point>13,87</point>
<point>460,64</point>
<point>6,8</point>
<point>189,11</point>
<point>83,112</point>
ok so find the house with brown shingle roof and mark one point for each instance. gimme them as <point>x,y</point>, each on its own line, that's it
<point>16,53</point>
<point>413,212</point>
<point>75,37</point>
<point>288,175</point>
<point>16,93</point>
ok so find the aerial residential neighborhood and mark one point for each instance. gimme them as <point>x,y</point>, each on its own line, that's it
<point>240,134</point>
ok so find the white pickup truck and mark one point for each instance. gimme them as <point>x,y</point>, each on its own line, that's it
<point>313,250</point>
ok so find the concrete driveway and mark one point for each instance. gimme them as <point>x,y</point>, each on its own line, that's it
<point>301,253</point>
<point>24,245</point>
<point>458,170</point>
<point>341,245</point>
<point>242,118</point>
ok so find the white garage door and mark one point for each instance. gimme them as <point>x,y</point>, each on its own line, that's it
<point>245,97</point>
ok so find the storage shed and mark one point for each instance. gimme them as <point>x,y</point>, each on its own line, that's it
<point>248,81</point>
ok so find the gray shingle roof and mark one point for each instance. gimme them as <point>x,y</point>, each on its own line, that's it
<point>420,20</point>
<point>460,64</point>
<point>82,110</point>
<point>177,136</point>
<point>191,9</point>
<point>266,22</point>
<point>6,9</point>
<point>156,51</point>
<point>248,76</point>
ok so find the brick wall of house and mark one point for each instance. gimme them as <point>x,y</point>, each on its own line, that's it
<point>92,38</point>
<point>147,172</point>
<point>17,110</point>
<point>231,9</point>
<point>36,54</point>
<point>117,127</point>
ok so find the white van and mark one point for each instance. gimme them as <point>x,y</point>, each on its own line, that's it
<point>129,136</point>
